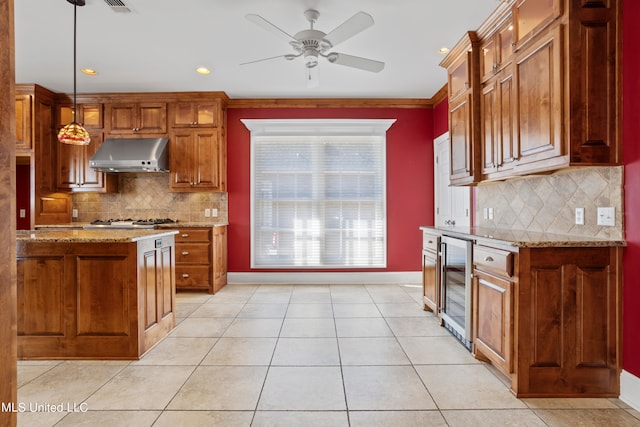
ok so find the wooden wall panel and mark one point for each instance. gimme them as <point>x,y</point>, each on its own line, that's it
<point>102,308</point>
<point>150,287</point>
<point>40,291</point>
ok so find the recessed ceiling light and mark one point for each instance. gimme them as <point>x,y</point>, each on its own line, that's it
<point>203,70</point>
<point>89,71</point>
<point>443,50</point>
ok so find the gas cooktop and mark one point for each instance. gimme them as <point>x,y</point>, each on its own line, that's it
<point>129,223</point>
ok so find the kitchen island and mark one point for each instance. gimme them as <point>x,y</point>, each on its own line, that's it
<point>545,309</point>
<point>93,294</point>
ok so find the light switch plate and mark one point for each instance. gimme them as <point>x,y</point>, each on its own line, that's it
<point>23,213</point>
<point>607,216</point>
<point>214,212</point>
<point>491,214</point>
<point>207,213</point>
<point>74,213</point>
<point>579,216</point>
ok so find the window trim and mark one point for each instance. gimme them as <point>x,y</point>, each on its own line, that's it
<point>312,128</point>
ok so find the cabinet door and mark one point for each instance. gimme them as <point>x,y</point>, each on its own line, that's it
<point>219,258</point>
<point>532,16</point>
<point>23,122</point>
<point>182,153</point>
<point>206,165</point>
<point>131,118</point>
<point>538,93</point>
<point>69,170</point>
<point>191,114</point>
<point>459,77</point>
<point>123,118</point>
<point>152,117</point>
<point>506,150</point>
<point>489,111</point>
<point>460,134</point>
<point>493,319</point>
<point>430,289</point>
<point>195,160</point>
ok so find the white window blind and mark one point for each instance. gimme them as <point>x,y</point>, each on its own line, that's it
<point>318,193</point>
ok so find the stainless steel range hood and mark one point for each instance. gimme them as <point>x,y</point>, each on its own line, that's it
<point>132,155</point>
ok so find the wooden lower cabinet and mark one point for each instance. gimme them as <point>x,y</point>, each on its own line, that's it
<point>98,300</point>
<point>201,258</point>
<point>553,326</point>
<point>430,272</point>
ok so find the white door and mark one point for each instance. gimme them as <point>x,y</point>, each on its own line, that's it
<point>452,204</point>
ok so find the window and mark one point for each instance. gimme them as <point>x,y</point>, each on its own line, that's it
<point>318,193</point>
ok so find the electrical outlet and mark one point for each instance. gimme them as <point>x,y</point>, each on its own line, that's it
<point>486,213</point>
<point>23,213</point>
<point>74,213</point>
<point>207,213</point>
<point>214,212</point>
<point>579,216</point>
<point>607,216</point>
<point>491,214</point>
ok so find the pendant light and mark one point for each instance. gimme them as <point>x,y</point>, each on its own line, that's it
<point>74,133</point>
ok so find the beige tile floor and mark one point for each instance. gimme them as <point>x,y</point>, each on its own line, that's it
<point>305,355</point>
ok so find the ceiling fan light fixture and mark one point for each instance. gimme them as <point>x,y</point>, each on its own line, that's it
<point>74,133</point>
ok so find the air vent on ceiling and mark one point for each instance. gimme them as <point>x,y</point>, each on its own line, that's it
<point>117,6</point>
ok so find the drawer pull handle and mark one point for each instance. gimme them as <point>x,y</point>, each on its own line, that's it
<point>185,253</point>
<point>488,259</point>
<point>185,235</point>
<point>185,276</point>
<point>430,241</point>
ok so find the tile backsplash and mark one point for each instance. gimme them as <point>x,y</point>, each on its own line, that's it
<point>147,195</point>
<point>547,203</point>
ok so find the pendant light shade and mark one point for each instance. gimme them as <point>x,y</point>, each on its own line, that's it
<point>74,133</point>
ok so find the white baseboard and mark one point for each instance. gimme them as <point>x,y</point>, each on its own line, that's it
<point>630,390</point>
<point>324,278</point>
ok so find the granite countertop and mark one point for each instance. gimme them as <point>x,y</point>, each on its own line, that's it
<point>188,224</point>
<point>522,238</point>
<point>180,224</point>
<point>89,236</point>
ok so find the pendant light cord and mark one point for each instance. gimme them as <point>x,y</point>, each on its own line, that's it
<point>75,20</point>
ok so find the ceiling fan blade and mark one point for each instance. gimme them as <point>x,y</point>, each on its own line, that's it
<point>356,62</point>
<point>349,28</point>
<point>261,22</point>
<point>267,59</point>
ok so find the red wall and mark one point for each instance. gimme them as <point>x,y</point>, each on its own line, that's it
<point>441,118</point>
<point>409,178</point>
<point>23,178</point>
<point>631,156</point>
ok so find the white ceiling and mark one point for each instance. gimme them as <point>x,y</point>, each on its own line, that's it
<point>157,46</point>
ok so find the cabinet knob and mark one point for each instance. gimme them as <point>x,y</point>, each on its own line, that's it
<point>488,259</point>
<point>184,235</point>
<point>453,222</point>
<point>185,275</point>
<point>185,253</point>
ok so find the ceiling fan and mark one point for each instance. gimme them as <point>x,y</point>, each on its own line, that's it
<point>312,44</point>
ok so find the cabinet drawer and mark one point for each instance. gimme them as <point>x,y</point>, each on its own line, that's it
<point>493,260</point>
<point>192,275</point>
<point>193,253</point>
<point>430,242</point>
<point>193,235</point>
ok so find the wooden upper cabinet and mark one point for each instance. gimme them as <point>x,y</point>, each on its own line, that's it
<point>197,162</point>
<point>496,50</point>
<point>73,171</point>
<point>195,114</point>
<point>549,73</point>
<point>89,115</point>
<point>464,108</point>
<point>539,101</point>
<point>23,122</point>
<point>533,16</point>
<point>138,118</point>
